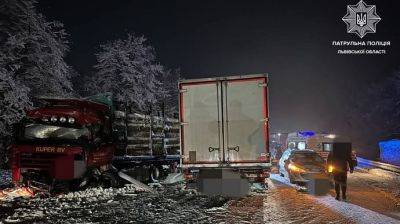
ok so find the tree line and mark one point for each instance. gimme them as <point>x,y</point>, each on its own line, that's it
<point>373,114</point>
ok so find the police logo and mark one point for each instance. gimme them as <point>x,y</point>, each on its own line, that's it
<point>361,19</point>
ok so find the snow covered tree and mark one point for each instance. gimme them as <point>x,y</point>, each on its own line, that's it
<point>33,49</point>
<point>13,102</point>
<point>168,92</point>
<point>78,82</point>
<point>32,52</point>
<point>128,69</point>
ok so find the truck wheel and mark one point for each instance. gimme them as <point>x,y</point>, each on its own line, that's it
<point>154,174</point>
<point>109,179</point>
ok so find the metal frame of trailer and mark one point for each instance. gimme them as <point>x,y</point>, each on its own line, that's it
<point>132,161</point>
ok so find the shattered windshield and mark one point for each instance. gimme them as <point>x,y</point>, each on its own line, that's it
<point>43,131</point>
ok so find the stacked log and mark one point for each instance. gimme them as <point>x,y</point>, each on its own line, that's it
<point>148,135</point>
<point>138,135</point>
<point>119,126</point>
<point>171,140</point>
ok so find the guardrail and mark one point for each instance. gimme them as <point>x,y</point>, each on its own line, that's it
<point>384,166</point>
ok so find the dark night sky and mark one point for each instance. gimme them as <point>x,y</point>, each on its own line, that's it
<point>310,84</point>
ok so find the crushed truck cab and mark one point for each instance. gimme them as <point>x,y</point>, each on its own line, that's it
<point>62,141</point>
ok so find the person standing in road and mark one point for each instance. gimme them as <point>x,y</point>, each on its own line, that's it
<point>340,163</point>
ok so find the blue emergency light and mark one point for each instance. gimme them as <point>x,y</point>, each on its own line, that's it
<point>306,134</point>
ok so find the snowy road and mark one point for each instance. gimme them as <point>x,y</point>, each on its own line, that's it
<point>374,198</point>
<point>363,206</point>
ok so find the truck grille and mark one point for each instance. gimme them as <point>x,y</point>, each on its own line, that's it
<point>37,161</point>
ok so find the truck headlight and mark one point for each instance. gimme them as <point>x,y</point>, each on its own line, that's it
<point>53,119</point>
<point>71,120</point>
<point>63,119</point>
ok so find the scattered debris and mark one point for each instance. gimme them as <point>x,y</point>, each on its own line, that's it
<point>12,193</point>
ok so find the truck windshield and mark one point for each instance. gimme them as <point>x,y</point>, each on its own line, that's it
<point>44,131</point>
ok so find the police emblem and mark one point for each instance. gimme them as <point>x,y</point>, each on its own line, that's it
<point>361,19</point>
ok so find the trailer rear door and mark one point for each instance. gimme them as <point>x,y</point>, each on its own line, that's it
<point>200,117</point>
<point>246,120</point>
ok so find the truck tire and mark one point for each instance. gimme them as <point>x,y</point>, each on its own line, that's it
<point>154,174</point>
<point>109,179</point>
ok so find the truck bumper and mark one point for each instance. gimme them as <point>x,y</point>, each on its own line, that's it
<point>251,173</point>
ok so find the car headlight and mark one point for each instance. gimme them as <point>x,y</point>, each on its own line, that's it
<point>296,168</point>
<point>330,169</point>
<point>71,120</point>
<point>63,119</point>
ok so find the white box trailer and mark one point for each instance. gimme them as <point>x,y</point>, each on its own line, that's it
<point>224,125</point>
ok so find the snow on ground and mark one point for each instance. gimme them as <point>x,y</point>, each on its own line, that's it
<point>285,204</point>
<point>353,212</point>
<point>174,178</point>
<point>376,190</point>
<point>378,178</point>
<point>172,203</point>
<point>124,205</point>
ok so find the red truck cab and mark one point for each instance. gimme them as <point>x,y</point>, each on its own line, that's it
<point>62,141</point>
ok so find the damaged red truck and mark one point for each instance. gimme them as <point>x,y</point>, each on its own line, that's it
<point>69,143</point>
<point>61,141</point>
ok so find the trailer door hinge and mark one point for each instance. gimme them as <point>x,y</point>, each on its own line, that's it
<point>183,90</point>
<point>261,84</point>
<point>184,123</point>
<point>265,119</point>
